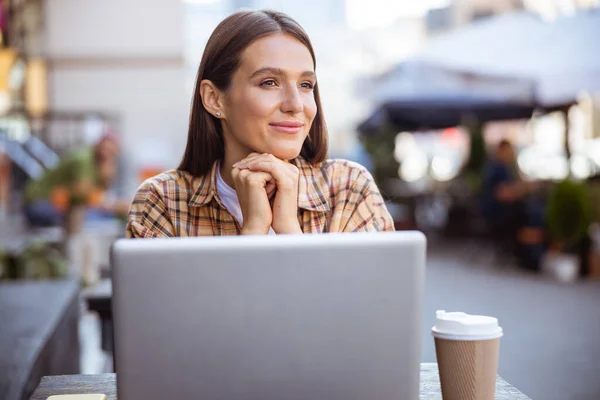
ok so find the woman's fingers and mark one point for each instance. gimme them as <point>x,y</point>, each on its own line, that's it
<point>251,188</point>
<point>252,178</point>
<point>271,188</point>
<point>249,177</point>
<point>283,177</point>
<point>281,170</point>
<point>251,157</point>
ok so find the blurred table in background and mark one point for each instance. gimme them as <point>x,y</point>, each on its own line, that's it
<point>38,334</point>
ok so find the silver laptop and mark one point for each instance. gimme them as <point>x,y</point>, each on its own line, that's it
<point>312,317</point>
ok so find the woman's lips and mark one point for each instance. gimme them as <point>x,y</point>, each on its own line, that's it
<point>287,126</point>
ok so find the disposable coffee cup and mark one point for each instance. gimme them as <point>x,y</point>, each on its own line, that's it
<point>467,350</point>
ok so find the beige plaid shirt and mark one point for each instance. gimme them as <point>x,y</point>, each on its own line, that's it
<point>333,196</point>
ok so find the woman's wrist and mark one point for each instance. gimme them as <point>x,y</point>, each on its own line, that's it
<point>251,229</point>
<point>288,229</point>
<point>250,232</point>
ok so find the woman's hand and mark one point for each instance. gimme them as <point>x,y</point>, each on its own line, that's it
<point>251,188</point>
<point>285,177</point>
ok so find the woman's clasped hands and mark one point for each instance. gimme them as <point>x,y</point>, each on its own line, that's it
<point>259,177</point>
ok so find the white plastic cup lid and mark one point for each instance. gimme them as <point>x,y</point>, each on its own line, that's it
<point>462,326</point>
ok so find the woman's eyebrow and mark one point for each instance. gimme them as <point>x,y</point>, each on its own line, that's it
<point>279,72</point>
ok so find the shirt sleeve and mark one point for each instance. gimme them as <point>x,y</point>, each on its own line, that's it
<point>365,207</point>
<point>148,217</point>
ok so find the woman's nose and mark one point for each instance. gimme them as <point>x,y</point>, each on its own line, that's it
<point>292,103</point>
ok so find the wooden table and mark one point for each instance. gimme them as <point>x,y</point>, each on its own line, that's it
<point>106,384</point>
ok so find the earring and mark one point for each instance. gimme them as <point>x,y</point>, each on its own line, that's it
<point>218,113</point>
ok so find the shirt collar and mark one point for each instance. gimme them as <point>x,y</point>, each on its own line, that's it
<point>207,188</point>
<point>312,187</point>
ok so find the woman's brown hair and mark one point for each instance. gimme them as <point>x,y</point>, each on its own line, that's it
<point>220,60</point>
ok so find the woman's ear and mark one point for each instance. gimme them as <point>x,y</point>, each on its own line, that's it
<point>212,98</point>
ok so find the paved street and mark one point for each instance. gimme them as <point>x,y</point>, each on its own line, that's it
<point>551,347</point>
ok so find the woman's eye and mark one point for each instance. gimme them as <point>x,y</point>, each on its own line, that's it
<point>269,82</point>
<point>308,85</point>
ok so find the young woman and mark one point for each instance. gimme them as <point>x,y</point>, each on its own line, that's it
<point>255,161</point>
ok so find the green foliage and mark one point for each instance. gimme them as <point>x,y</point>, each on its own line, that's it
<point>569,212</point>
<point>381,149</point>
<point>477,153</point>
<point>78,199</point>
<point>594,189</point>
<point>37,260</point>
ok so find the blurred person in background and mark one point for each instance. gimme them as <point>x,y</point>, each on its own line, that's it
<point>513,219</point>
<point>81,178</point>
<point>255,161</point>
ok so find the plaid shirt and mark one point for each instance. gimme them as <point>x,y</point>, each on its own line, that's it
<point>333,196</point>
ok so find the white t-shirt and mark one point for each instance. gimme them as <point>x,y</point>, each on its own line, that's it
<point>229,198</point>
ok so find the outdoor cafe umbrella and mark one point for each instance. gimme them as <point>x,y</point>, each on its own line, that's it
<point>553,61</point>
<point>419,95</point>
<point>561,56</point>
<point>439,113</point>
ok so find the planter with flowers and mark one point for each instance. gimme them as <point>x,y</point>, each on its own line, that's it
<point>568,218</point>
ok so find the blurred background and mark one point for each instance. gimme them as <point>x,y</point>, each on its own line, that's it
<point>480,121</point>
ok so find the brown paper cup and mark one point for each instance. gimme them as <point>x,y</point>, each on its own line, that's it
<point>467,368</point>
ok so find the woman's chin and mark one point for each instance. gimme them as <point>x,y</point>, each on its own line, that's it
<point>287,155</point>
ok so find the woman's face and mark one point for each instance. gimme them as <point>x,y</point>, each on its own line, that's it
<point>270,105</point>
